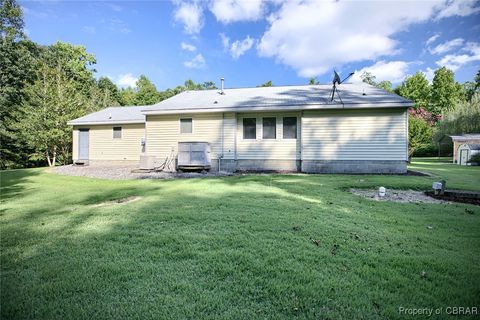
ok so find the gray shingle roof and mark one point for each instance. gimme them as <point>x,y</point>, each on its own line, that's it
<point>474,146</point>
<point>252,99</point>
<point>279,98</point>
<point>112,115</point>
<point>466,137</point>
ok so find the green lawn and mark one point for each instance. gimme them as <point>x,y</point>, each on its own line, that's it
<point>242,247</point>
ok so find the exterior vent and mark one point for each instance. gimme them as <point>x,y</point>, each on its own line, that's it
<point>194,155</point>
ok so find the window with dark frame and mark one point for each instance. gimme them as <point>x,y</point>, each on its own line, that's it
<point>249,128</point>
<point>186,125</point>
<point>269,128</point>
<point>290,128</point>
<point>117,132</point>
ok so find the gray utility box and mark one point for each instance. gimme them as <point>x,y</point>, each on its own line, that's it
<point>194,155</point>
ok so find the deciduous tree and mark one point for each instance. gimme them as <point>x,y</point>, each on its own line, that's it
<point>417,89</point>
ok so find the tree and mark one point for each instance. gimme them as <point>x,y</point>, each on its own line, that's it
<point>266,84</point>
<point>416,88</point>
<point>368,77</point>
<point>472,87</point>
<point>313,81</point>
<point>127,97</point>
<point>209,85</point>
<point>419,134</point>
<point>446,93</point>
<point>51,102</point>
<point>146,93</point>
<point>75,63</point>
<point>464,118</point>
<point>17,69</point>
<point>11,21</point>
<point>108,91</point>
<point>385,85</point>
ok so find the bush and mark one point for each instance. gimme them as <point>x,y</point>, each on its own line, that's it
<point>475,158</point>
<point>430,150</point>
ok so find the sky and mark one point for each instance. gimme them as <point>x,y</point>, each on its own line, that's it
<point>249,42</point>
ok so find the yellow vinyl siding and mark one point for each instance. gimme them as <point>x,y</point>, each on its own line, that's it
<point>278,149</point>
<point>355,135</point>
<point>102,145</point>
<point>163,133</point>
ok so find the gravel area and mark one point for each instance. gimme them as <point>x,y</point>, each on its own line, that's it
<point>122,172</point>
<point>410,196</point>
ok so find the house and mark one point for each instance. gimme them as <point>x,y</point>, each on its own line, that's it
<point>292,128</point>
<point>458,140</point>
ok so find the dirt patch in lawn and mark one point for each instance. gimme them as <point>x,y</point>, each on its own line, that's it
<point>405,196</point>
<point>121,201</point>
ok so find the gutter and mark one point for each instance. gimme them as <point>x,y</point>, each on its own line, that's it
<point>93,123</point>
<point>338,106</point>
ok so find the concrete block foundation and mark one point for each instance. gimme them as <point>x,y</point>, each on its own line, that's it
<point>355,166</point>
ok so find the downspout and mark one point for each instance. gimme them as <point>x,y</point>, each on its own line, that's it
<point>406,126</point>
<point>222,140</point>
<point>301,140</point>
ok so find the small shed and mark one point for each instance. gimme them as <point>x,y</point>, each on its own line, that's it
<point>458,140</point>
<point>465,153</point>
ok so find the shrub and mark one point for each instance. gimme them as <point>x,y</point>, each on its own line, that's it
<point>475,158</point>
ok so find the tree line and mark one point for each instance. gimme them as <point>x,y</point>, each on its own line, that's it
<point>43,87</point>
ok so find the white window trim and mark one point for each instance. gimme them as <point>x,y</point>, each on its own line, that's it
<point>121,133</point>
<point>256,129</point>
<point>180,125</point>
<point>296,128</point>
<point>276,128</point>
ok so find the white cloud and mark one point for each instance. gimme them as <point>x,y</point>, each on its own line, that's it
<point>460,8</point>
<point>447,46</point>
<point>225,41</point>
<point>228,11</point>
<point>432,39</point>
<point>393,71</point>
<point>190,14</point>
<point>188,47</point>
<point>455,61</point>
<point>315,36</point>
<point>127,80</point>
<point>88,29</point>
<point>238,47</point>
<point>198,62</point>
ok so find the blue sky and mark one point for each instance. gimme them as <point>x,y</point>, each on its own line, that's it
<point>252,41</point>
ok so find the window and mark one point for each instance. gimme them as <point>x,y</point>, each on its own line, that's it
<point>186,125</point>
<point>249,128</point>
<point>290,128</point>
<point>117,132</point>
<point>269,128</point>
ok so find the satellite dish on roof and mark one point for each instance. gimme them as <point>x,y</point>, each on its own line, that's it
<point>337,80</point>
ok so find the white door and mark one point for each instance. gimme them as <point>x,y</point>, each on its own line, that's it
<point>463,157</point>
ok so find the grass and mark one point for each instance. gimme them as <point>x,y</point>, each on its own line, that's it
<point>242,247</point>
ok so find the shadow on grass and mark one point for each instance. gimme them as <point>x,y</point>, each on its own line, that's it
<point>230,248</point>
<point>12,182</point>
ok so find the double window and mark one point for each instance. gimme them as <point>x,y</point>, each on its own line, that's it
<point>186,125</point>
<point>117,132</point>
